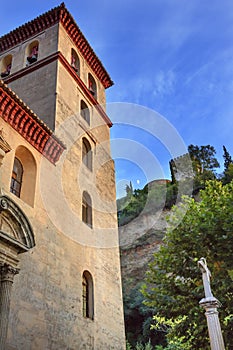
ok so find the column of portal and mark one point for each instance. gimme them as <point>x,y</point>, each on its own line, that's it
<point>7,274</point>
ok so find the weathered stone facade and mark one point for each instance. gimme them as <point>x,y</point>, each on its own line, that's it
<point>44,300</point>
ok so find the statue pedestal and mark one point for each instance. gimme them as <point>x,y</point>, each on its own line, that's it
<point>210,304</point>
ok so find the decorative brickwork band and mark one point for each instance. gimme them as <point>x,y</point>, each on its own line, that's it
<point>7,274</point>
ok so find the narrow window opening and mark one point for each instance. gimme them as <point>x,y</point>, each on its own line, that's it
<point>87,154</point>
<point>6,66</point>
<point>92,85</point>
<point>16,178</point>
<point>33,50</point>
<point>87,209</point>
<point>75,64</point>
<point>7,71</point>
<point>87,296</point>
<point>23,178</point>
<point>84,111</point>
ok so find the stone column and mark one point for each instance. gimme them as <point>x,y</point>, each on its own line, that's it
<point>7,274</point>
<point>215,334</point>
<point>210,304</point>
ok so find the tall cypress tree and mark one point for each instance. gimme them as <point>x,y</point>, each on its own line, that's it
<point>227,159</point>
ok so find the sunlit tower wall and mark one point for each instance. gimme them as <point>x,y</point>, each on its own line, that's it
<point>67,294</point>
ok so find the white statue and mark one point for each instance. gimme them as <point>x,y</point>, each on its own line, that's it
<point>205,277</point>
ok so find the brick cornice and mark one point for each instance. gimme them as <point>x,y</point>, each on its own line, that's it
<point>16,113</point>
<point>45,21</point>
<point>65,63</point>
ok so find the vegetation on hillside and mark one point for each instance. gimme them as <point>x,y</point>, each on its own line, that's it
<point>138,319</point>
<point>162,195</point>
<point>174,287</point>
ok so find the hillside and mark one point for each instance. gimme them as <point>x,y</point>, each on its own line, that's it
<point>139,239</point>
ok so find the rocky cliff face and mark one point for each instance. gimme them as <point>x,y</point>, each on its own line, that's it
<point>139,240</point>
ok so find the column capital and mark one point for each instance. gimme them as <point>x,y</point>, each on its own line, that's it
<point>7,272</point>
<point>210,302</point>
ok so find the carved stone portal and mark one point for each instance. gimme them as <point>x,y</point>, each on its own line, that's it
<point>16,236</point>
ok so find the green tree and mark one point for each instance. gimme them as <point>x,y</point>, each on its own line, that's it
<point>138,319</point>
<point>204,164</point>
<point>228,167</point>
<point>158,196</point>
<point>174,285</point>
<point>171,165</point>
<point>228,174</point>
<point>203,158</point>
<point>129,189</point>
<point>128,346</point>
<point>227,158</point>
<point>132,207</point>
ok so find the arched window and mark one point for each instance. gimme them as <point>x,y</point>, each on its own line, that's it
<point>87,209</point>
<point>6,66</point>
<point>23,180</point>
<point>75,63</point>
<point>92,85</point>
<point>87,295</point>
<point>32,52</point>
<point>84,111</point>
<point>16,178</point>
<point>87,154</point>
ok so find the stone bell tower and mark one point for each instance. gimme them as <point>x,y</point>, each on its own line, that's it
<point>49,62</point>
<point>59,174</point>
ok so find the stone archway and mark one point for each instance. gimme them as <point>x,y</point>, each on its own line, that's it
<point>16,236</point>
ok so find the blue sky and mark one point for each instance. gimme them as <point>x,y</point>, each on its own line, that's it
<point>174,57</point>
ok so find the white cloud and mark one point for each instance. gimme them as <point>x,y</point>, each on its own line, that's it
<point>163,83</point>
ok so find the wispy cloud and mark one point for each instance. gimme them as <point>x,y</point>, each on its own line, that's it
<point>163,83</point>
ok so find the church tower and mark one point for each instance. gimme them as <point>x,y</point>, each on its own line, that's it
<point>59,252</point>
